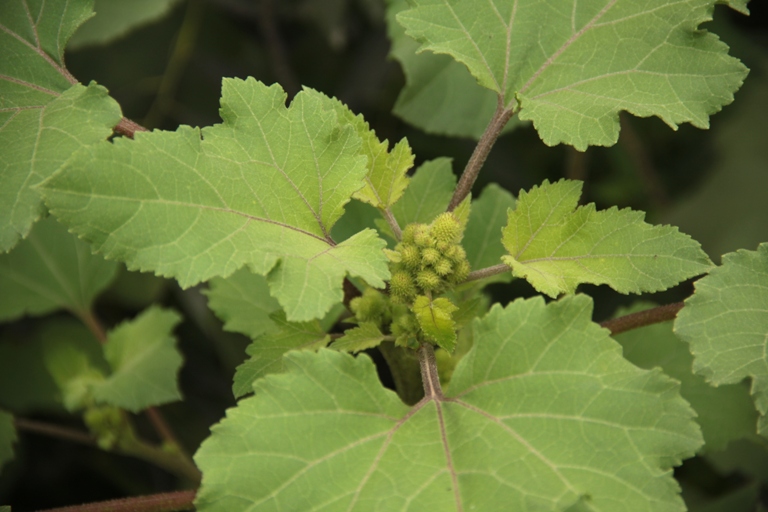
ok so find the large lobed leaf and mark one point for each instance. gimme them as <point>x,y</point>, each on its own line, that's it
<point>725,413</point>
<point>45,115</point>
<point>542,414</point>
<point>556,245</point>
<point>570,67</point>
<point>49,270</point>
<point>263,189</point>
<point>726,324</point>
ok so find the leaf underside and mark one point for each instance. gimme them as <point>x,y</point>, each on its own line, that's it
<point>45,115</point>
<point>327,436</point>
<point>556,245</point>
<point>726,324</point>
<point>263,189</point>
<point>571,67</point>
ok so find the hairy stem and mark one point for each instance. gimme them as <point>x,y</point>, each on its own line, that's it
<point>483,148</point>
<point>405,372</point>
<point>487,272</point>
<point>429,376</point>
<point>128,128</point>
<point>392,221</point>
<point>164,502</point>
<point>642,318</point>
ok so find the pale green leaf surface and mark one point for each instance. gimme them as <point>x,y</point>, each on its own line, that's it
<point>572,67</point>
<point>44,114</point>
<point>725,413</point>
<point>242,302</point>
<point>435,317</point>
<point>366,335</point>
<point>385,180</point>
<point>267,350</point>
<point>428,194</point>
<point>440,96</point>
<point>116,18</point>
<point>556,245</point>
<point>7,440</point>
<point>50,270</point>
<point>75,361</point>
<point>482,236</point>
<point>529,422</point>
<point>144,362</point>
<point>725,322</point>
<point>265,187</point>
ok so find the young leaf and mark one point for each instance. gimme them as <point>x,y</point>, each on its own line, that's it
<point>115,18</point>
<point>530,421</point>
<point>440,96</point>
<point>44,114</point>
<point>385,181</point>
<point>265,187</point>
<point>556,245</point>
<point>482,236</point>
<point>144,362</point>
<point>267,351</point>
<point>572,67</point>
<point>50,270</point>
<point>429,193</point>
<point>726,324</point>
<point>435,319</point>
<point>7,438</point>
<point>242,302</point>
<point>365,336</point>
<point>725,413</point>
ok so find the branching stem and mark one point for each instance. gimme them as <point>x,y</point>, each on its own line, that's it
<point>165,502</point>
<point>483,148</point>
<point>57,431</point>
<point>643,318</point>
<point>429,376</point>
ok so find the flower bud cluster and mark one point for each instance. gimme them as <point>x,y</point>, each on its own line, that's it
<point>429,259</point>
<point>372,306</point>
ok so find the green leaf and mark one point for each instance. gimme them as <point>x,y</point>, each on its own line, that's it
<point>440,96</point>
<point>435,319</point>
<point>144,362</point>
<point>482,236</point>
<point>264,189</point>
<point>366,335</point>
<point>385,181</point>
<point>726,324</point>
<point>7,440</point>
<point>556,245</point>
<point>50,270</point>
<point>571,67</point>
<point>725,413</point>
<point>44,114</point>
<point>242,302</point>
<point>75,361</point>
<point>116,18</point>
<point>542,414</point>
<point>428,194</point>
<point>267,351</point>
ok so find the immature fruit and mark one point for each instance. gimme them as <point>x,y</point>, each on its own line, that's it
<point>446,228</point>
<point>430,256</point>
<point>428,280</point>
<point>401,287</point>
<point>410,256</point>
<point>443,267</point>
<point>421,236</point>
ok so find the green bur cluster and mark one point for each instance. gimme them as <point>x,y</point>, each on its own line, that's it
<point>428,260</point>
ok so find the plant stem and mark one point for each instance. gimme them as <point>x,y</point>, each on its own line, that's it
<point>128,127</point>
<point>93,324</point>
<point>392,221</point>
<point>487,272</point>
<point>405,372</point>
<point>643,318</point>
<point>429,375</point>
<point>483,148</point>
<point>171,461</point>
<point>164,502</point>
<point>56,431</point>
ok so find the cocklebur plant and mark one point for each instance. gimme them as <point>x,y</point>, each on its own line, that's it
<point>321,243</point>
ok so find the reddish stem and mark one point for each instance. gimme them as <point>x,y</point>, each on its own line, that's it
<point>164,502</point>
<point>128,128</point>
<point>643,318</point>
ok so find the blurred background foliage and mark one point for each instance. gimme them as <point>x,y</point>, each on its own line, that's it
<point>163,61</point>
